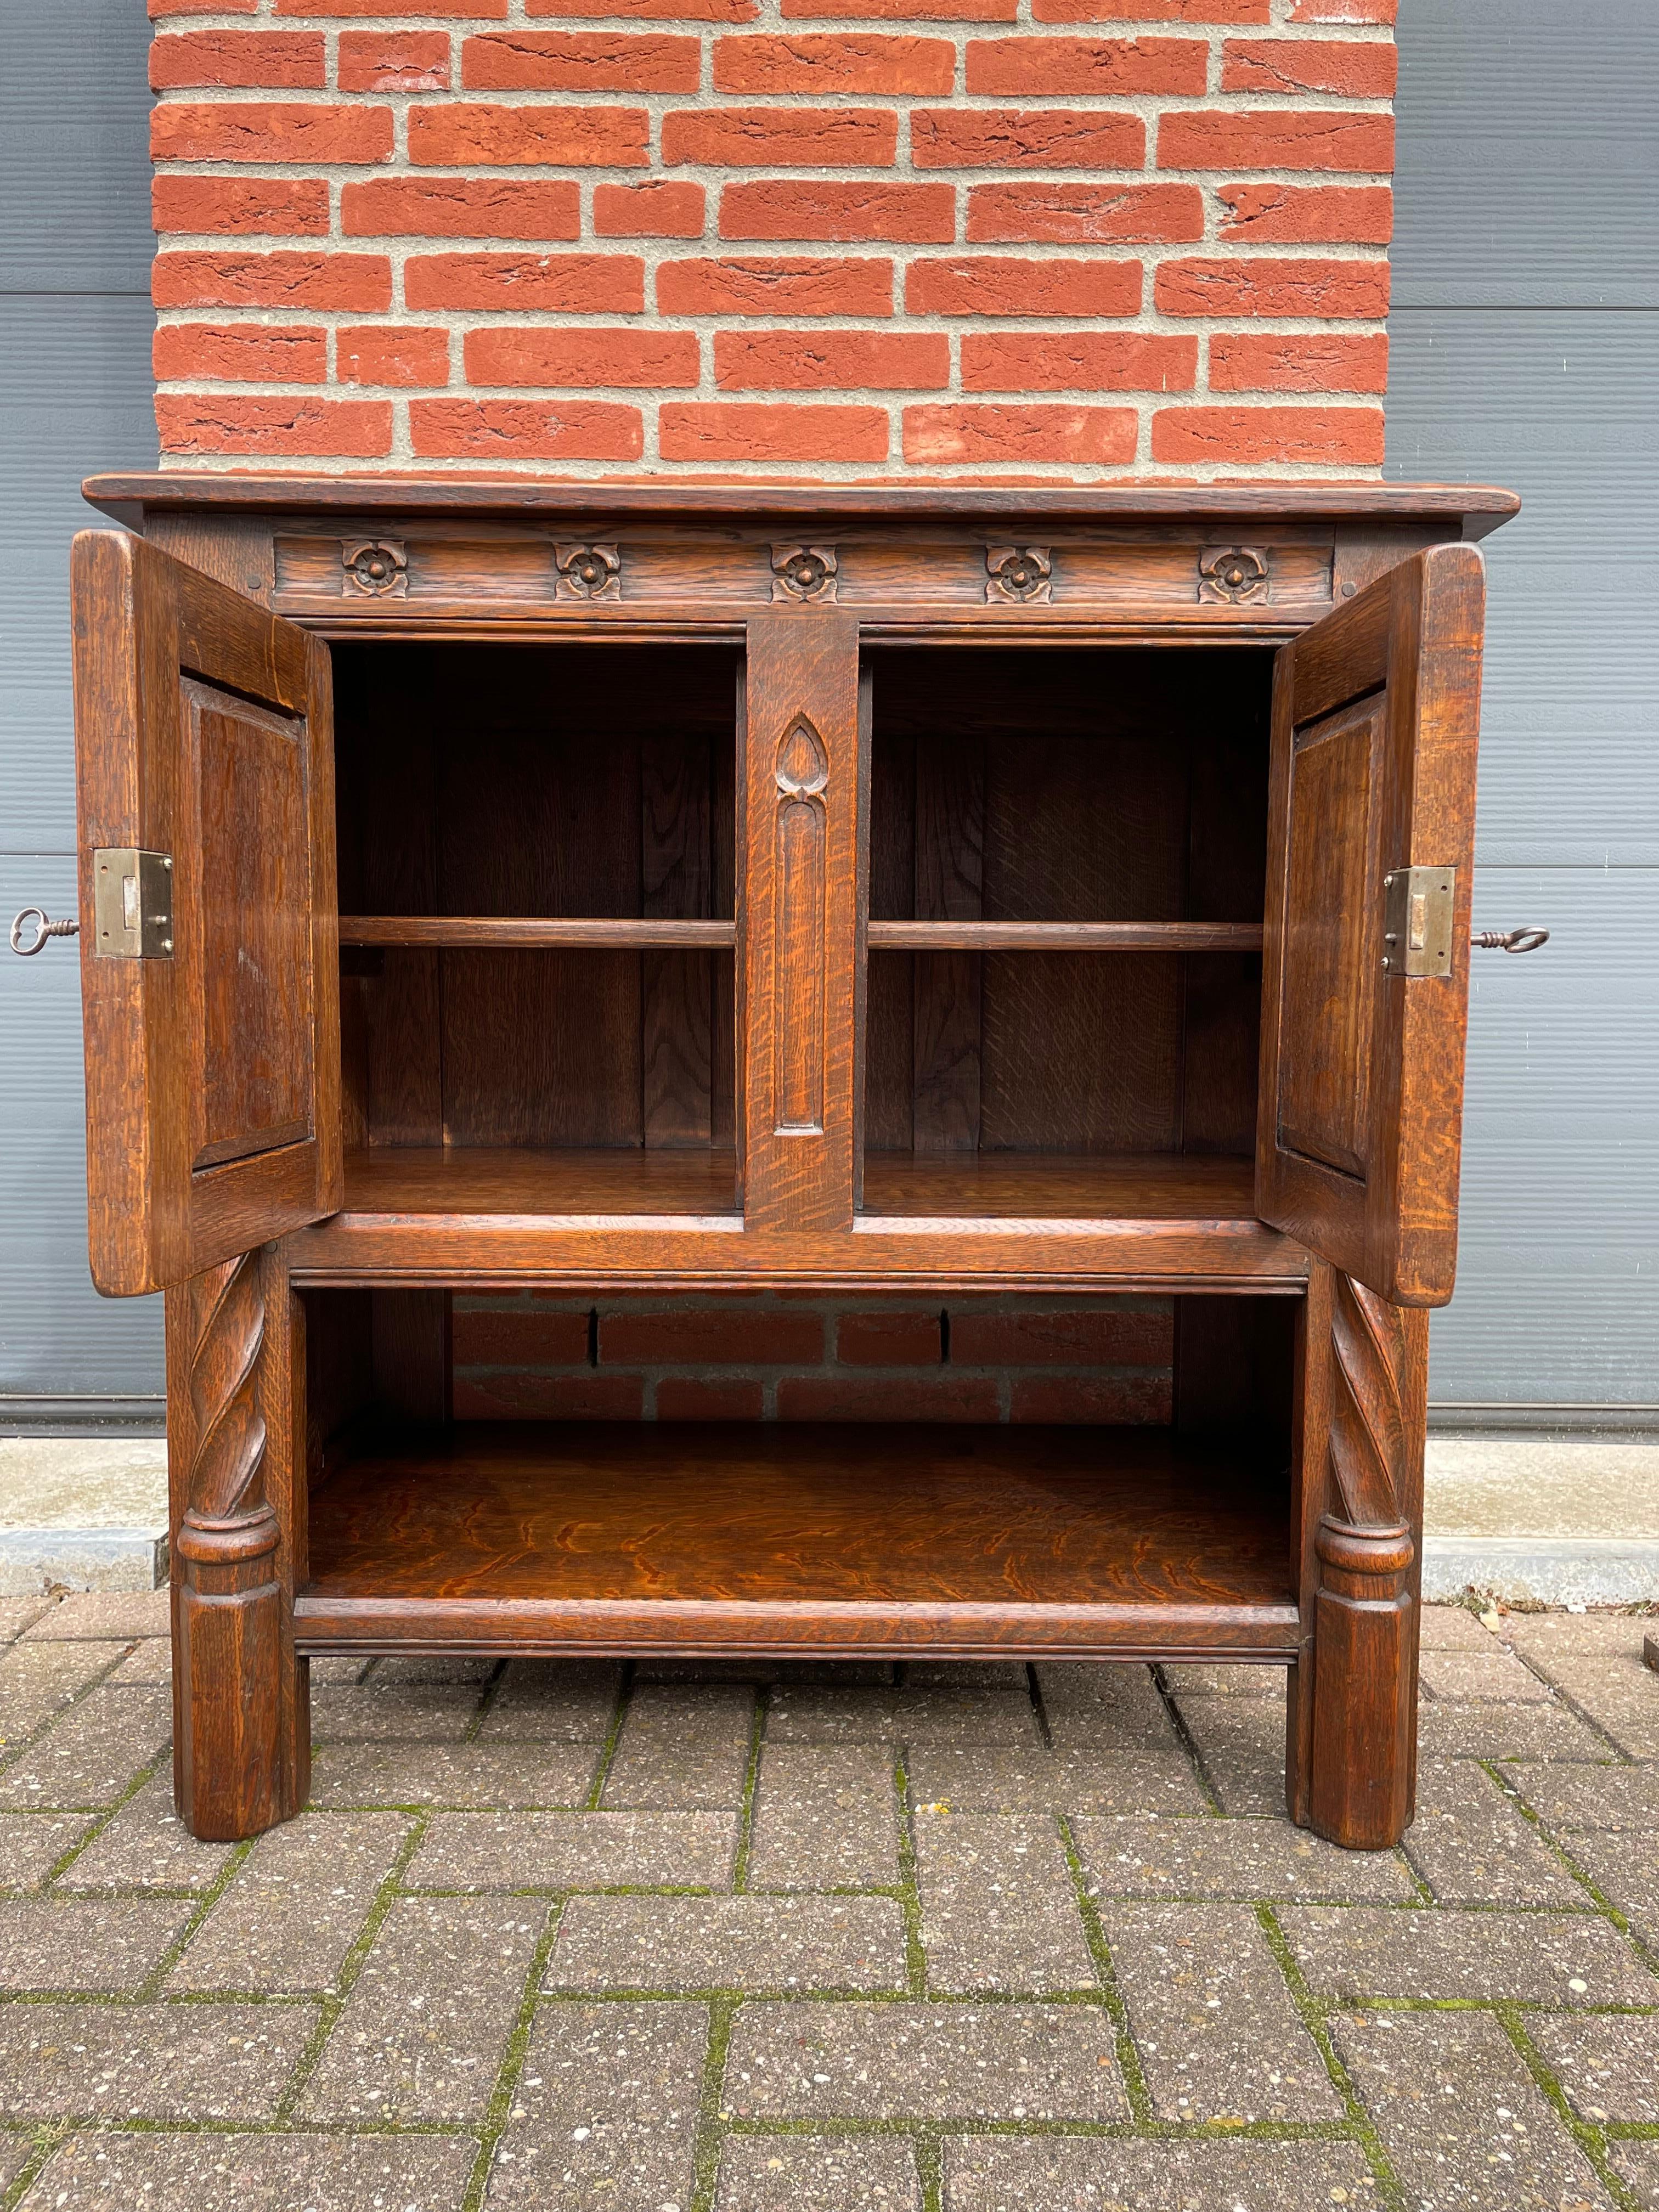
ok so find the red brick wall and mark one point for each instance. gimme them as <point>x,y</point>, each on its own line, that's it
<point>778,1356</point>
<point>1013,239</point>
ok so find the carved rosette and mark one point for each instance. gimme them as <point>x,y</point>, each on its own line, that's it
<point>377,567</point>
<point>1022,574</point>
<point>1233,576</point>
<point>804,574</point>
<point>587,572</point>
<point>227,1520</point>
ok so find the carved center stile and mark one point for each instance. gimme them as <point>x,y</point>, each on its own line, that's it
<point>1368,1416</point>
<point>228,1467</point>
<point>801,857</point>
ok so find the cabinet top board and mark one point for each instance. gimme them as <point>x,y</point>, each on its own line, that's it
<point>126,498</point>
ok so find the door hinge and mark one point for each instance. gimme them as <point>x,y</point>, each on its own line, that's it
<point>132,904</point>
<point>1417,925</point>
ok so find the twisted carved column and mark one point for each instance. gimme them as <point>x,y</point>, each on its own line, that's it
<point>1363,1632</point>
<point>229,1602</point>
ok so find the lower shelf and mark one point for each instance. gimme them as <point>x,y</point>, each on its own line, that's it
<point>828,1539</point>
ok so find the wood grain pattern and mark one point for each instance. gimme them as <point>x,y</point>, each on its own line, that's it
<point>1358,1141</point>
<point>598,934</point>
<point>212,1124</point>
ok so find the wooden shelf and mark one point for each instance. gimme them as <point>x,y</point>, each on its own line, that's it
<point>766,1536</point>
<point>1064,1186</point>
<point>475,932</point>
<point>419,1179</point>
<point>1064,937</point>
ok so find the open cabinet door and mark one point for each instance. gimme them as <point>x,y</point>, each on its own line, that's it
<point>1365,970</point>
<point>208,929</point>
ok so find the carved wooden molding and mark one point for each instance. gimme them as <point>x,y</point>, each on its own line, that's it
<point>1233,575</point>
<point>1368,1439</point>
<point>1023,574</point>
<point>587,572</point>
<point>227,1519</point>
<point>378,567</point>
<point>801,868</point>
<point>804,573</point>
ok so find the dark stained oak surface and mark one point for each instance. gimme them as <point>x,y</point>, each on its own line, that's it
<point>600,932</point>
<point>765,1512</point>
<point>508,1179</point>
<point>1064,1186</point>
<point>1064,936</point>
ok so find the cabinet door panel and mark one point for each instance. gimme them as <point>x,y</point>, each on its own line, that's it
<point>1376,719</point>
<point>202,732</point>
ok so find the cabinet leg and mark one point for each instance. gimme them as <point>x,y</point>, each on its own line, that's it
<point>239,1694</point>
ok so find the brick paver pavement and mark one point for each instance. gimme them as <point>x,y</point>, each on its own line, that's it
<point>808,1939</point>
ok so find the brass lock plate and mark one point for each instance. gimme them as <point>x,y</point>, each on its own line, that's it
<point>132,904</point>
<point>1417,924</point>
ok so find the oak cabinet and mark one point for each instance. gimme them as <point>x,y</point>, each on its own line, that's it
<point>849,891</point>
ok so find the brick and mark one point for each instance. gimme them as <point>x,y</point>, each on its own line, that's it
<point>1241,1746</point>
<point>1024,138</point>
<point>36,1681</point>
<point>460,207</point>
<point>146,1846</point>
<point>1455,2106</point>
<point>689,1333</point>
<point>692,1943</point>
<point>101,1616</point>
<point>289,58</point>
<point>914,215</point>
<point>1471,1844</point>
<point>827,360</point>
<point>1343,11</point>
<point>685,11</point>
<point>1499,1731</point>
<point>1259,286</point>
<point>1608,2064</point>
<point>999,1911</point>
<point>914,11</point>
<point>687,1398</point>
<point>575,1851</point>
<point>1137,1855</point>
<point>90,1755</point>
<point>1070,214</point>
<point>665,208</point>
<point>282,279</point>
<point>256,2171</point>
<point>276,353</point>
<point>1004,435</point>
<point>31,1845</point>
<point>843,61</point>
<point>1325,361</point>
<point>1286,138</point>
<point>948,1777</point>
<point>1241,1680</point>
<point>482,1775</point>
<point>1088,65</point>
<point>1448,1627</point>
<point>1311,214</point>
<point>583,359</point>
<point>269,130</point>
<point>1491,1677</point>
<point>1544,1638</point>
<point>580,61</point>
<point>1571,1797</point>
<point>887,1339</point>
<point>1636,2164</point>
<point>737,432</point>
<point>991,2173</point>
<point>1351,68</point>
<point>825,1818</point>
<point>461,133</point>
<point>416,1667</point>
<point>987,284</point>
<point>1090,1707</point>
<point>158,8</point>
<point>779,2174</point>
<point>789,286</point>
<point>1624,1868</point>
<point>1567,1961</point>
<point>1139,1398</point>
<point>809,1714</point>
<point>1152,11</point>
<point>942,1397</point>
<point>782,137</point>
<point>554,1701</point>
<point>393,1712</point>
<point>421,2035</point>
<point>1301,437</point>
<point>394,61</point>
<point>151,2062</point>
<point>687,1749</point>
<point>288,1921</point>
<point>589,430</point>
<point>1110,1335</point>
<point>196,422</point>
<point>1620,1696</point>
<point>391,353</point>
<point>606,2110</point>
<point>75,1943</point>
<point>825,2063</point>
<point>1219,2035</point>
<point>343,7</point>
<point>290,207</point>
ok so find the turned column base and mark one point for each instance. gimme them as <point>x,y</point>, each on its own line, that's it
<point>1360,1786</point>
<point>231,1778</point>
